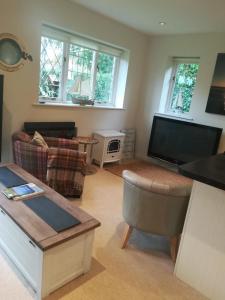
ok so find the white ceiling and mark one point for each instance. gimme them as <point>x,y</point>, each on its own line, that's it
<point>181,16</point>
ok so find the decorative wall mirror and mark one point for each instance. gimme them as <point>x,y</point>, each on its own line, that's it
<point>12,53</point>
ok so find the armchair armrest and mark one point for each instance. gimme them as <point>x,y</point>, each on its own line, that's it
<point>62,143</point>
<point>66,170</point>
<point>61,158</point>
<point>31,158</point>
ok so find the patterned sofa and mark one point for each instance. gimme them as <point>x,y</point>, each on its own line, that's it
<point>61,166</point>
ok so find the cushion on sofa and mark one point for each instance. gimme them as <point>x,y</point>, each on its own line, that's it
<point>38,140</point>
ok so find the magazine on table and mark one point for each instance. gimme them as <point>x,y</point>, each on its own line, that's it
<point>22,191</point>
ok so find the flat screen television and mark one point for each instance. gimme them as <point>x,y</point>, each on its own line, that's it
<point>181,142</point>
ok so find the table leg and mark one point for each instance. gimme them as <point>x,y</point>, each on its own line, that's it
<point>90,169</point>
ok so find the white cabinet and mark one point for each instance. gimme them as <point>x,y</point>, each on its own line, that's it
<point>201,258</point>
<point>47,259</point>
<point>45,271</point>
<point>109,147</point>
<point>66,261</point>
<point>21,249</point>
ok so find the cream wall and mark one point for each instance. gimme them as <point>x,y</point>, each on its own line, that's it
<point>24,18</point>
<point>205,46</point>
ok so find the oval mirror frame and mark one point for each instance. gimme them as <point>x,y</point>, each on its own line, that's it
<point>18,50</point>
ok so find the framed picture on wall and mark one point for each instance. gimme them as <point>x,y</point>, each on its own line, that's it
<point>216,99</point>
<point>1,111</point>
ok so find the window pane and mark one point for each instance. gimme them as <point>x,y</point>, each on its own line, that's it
<point>51,63</point>
<point>104,78</point>
<point>185,80</point>
<point>80,73</point>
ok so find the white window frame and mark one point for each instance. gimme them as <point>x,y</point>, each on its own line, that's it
<point>175,62</point>
<point>65,37</point>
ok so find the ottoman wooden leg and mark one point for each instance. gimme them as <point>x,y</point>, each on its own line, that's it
<point>174,245</point>
<point>127,236</point>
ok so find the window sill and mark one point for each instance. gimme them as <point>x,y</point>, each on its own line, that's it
<point>76,106</point>
<point>183,116</point>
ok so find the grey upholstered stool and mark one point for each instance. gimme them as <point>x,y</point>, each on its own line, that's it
<point>156,202</point>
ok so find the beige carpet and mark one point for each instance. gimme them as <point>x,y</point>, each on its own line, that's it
<point>140,272</point>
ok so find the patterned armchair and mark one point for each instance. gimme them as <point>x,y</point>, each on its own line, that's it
<point>61,166</point>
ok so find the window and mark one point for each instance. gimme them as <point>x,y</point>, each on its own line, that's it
<point>182,83</point>
<point>75,69</point>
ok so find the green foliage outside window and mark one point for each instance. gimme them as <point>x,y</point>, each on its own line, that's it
<point>104,74</point>
<point>50,67</point>
<point>80,73</point>
<point>85,56</point>
<point>80,63</point>
<point>104,77</point>
<point>185,81</point>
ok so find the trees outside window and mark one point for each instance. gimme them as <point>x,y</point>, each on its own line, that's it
<point>69,71</point>
<point>51,65</point>
<point>183,82</point>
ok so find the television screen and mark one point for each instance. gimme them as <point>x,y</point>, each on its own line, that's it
<point>180,141</point>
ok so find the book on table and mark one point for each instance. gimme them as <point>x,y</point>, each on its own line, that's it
<point>22,191</point>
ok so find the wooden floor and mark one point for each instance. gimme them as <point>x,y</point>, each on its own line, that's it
<point>142,271</point>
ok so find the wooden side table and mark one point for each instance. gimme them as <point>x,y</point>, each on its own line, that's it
<point>87,141</point>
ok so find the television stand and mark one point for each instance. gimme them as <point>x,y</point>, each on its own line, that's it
<point>164,164</point>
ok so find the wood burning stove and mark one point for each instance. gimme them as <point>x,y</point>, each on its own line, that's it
<point>109,148</point>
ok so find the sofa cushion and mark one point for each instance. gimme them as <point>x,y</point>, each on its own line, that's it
<point>38,140</point>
